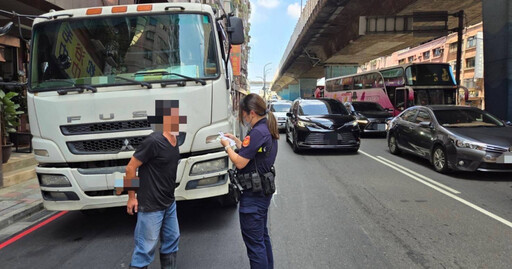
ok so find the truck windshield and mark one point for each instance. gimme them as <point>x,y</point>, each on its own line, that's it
<point>102,51</point>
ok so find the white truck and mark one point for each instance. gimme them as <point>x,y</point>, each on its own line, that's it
<point>95,74</point>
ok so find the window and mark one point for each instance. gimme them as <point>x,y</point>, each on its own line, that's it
<point>453,47</point>
<point>150,35</point>
<point>470,62</point>
<point>454,66</point>
<point>423,116</point>
<point>410,59</point>
<point>148,54</point>
<point>426,55</point>
<point>401,61</point>
<point>438,52</point>
<point>408,115</point>
<point>469,83</point>
<point>471,43</point>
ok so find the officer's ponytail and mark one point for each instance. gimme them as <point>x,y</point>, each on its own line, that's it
<point>257,104</point>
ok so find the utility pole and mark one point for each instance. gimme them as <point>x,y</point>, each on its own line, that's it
<point>460,30</point>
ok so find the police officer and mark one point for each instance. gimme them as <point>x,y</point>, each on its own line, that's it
<point>257,153</point>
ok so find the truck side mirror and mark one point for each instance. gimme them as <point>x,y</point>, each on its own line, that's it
<point>4,30</point>
<point>236,31</point>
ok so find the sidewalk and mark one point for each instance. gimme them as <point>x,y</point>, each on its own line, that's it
<point>19,201</point>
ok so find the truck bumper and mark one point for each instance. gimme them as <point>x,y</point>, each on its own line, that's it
<point>94,188</point>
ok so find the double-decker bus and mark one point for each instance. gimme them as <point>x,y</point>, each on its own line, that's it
<point>400,87</point>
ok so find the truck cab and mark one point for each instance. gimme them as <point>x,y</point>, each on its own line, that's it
<point>95,77</point>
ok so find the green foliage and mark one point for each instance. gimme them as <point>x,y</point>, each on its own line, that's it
<point>10,114</point>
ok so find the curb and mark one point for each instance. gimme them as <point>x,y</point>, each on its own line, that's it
<point>21,213</point>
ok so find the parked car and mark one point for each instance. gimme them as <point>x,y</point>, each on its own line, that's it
<point>280,108</point>
<point>453,138</point>
<point>371,116</point>
<point>321,123</point>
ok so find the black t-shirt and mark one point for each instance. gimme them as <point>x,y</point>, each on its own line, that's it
<point>157,173</point>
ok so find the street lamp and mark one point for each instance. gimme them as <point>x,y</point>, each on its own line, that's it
<point>264,81</point>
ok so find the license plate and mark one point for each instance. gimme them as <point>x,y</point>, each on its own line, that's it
<point>381,127</point>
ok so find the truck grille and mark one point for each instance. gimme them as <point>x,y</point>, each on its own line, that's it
<point>106,127</point>
<point>111,146</point>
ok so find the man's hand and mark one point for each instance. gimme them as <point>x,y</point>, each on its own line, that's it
<point>132,206</point>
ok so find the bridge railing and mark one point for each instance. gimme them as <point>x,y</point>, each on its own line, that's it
<point>303,19</point>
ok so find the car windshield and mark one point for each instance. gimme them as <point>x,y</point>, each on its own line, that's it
<point>466,118</point>
<point>367,106</point>
<point>104,50</point>
<point>280,107</point>
<point>322,108</point>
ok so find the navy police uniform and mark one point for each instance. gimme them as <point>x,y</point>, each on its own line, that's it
<point>254,205</point>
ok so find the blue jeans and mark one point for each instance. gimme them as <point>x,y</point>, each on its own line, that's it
<point>151,226</point>
<point>253,222</point>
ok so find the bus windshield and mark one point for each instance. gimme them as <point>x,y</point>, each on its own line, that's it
<point>106,51</point>
<point>429,75</point>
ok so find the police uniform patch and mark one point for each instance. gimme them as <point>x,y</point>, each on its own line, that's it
<point>247,141</point>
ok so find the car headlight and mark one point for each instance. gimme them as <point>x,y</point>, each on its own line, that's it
<point>362,120</point>
<point>207,167</point>
<point>470,145</point>
<point>351,123</point>
<point>304,124</point>
<point>54,180</point>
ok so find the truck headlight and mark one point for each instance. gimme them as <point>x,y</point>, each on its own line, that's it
<point>47,180</point>
<point>211,166</point>
<point>470,145</point>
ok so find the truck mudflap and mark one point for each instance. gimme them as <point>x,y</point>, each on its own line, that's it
<point>79,189</point>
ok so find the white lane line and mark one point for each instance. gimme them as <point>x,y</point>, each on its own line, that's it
<point>477,208</point>
<point>420,175</point>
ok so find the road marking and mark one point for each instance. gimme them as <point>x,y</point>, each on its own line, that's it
<point>477,208</point>
<point>31,229</point>
<point>419,175</point>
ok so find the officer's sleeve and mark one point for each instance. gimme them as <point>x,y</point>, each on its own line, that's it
<point>251,144</point>
<point>146,150</point>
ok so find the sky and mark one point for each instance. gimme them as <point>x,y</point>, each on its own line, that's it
<point>272,24</point>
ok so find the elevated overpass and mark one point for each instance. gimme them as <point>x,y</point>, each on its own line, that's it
<point>327,40</point>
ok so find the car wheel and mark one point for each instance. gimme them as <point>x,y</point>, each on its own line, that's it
<point>393,146</point>
<point>287,135</point>
<point>295,146</point>
<point>439,160</point>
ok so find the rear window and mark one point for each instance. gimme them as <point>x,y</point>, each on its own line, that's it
<point>367,106</point>
<point>280,107</point>
<point>322,108</point>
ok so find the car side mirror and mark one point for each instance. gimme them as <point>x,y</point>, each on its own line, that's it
<point>289,114</point>
<point>425,124</point>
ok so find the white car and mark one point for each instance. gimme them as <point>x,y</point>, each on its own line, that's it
<point>280,109</point>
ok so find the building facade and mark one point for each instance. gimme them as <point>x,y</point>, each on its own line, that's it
<point>444,50</point>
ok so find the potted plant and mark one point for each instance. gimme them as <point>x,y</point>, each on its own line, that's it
<point>9,120</point>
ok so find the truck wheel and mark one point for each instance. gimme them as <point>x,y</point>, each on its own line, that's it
<point>232,198</point>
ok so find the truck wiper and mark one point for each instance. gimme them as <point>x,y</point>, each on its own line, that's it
<point>165,73</point>
<point>78,89</point>
<point>141,83</point>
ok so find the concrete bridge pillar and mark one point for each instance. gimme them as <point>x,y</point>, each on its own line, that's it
<point>497,16</point>
<point>332,71</point>
<point>307,87</point>
<point>294,91</point>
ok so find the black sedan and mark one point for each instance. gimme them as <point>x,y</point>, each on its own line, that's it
<point>371,116</point>
<point>321,123</point>
<point>453,138</point>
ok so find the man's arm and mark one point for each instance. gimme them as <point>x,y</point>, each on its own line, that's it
<point>131,170</point>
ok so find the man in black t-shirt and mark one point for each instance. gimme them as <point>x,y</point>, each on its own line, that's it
<point>157,161</point>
